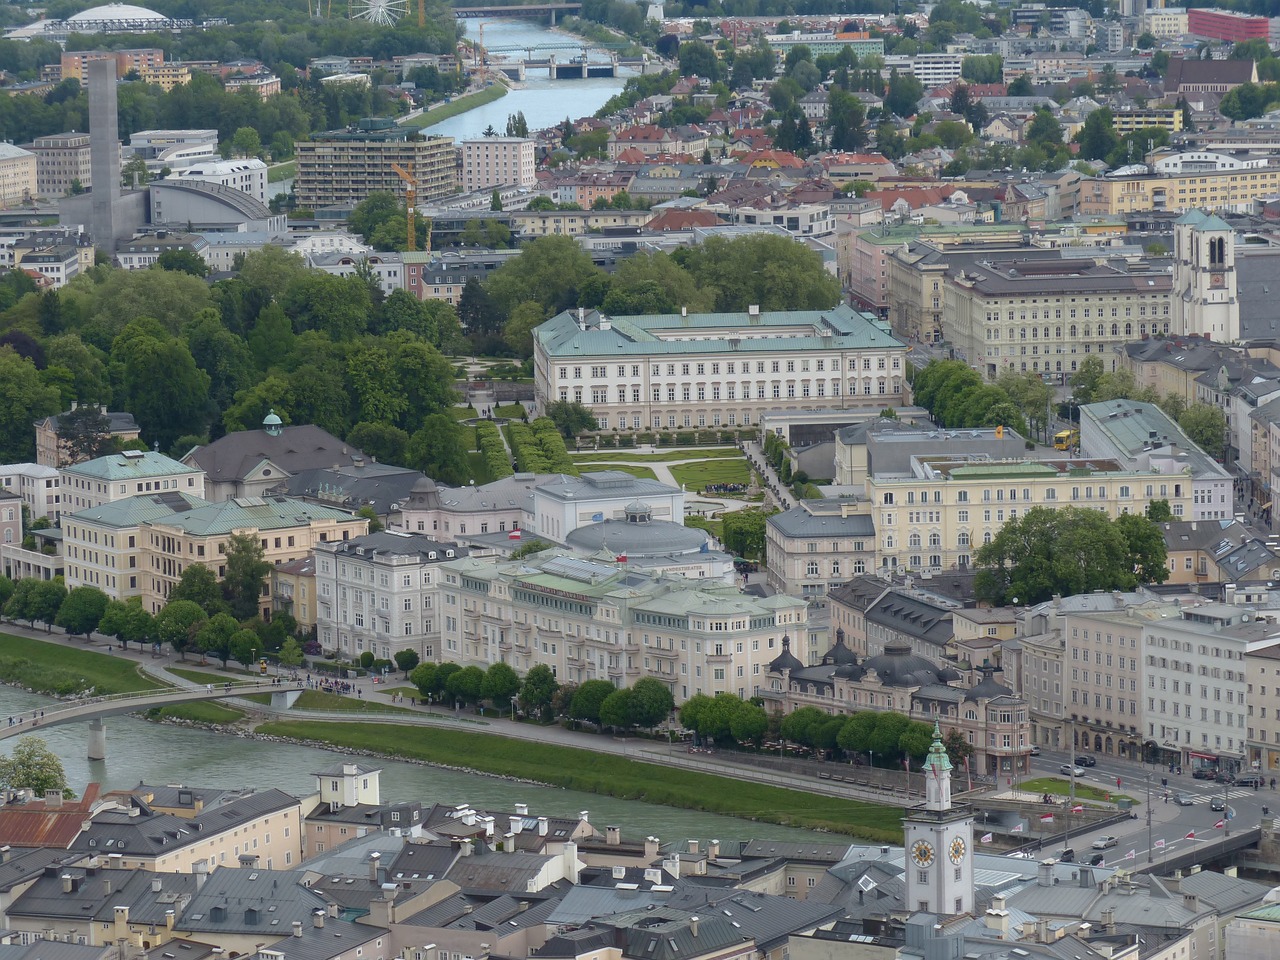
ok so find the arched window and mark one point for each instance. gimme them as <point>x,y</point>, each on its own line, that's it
<point>913,540</point>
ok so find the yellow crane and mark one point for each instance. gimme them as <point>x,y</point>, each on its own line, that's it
<point>422,15</point>
<point>411,200</point>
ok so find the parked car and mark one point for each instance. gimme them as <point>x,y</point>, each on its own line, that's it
<point>1204,773</point>
<point>1217,804</point>
<point>1251,780</point>
<point>1105,843</point>
<point>1224,778</point>
<point>1067,856</point>
<point>1184,800</point>
<point>1084,760</point>
<point>1067,770</point>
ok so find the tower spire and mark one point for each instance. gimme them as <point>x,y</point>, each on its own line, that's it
<point>937,774</point>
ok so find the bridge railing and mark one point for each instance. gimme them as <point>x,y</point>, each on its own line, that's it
<point>142,694</point>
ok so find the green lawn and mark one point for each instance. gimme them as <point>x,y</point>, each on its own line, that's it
<point>608,775</point>
<point>663,456</point>
<point>695,476</point>
<point>198,713</point>
<point>459,105</point>
<point>60,669</point>
<point>463,413</point>
<point>281,171</point>
<point>509,411</point>
<point>1061,787</point>
<point>319,700</point>
<point>634,469</point>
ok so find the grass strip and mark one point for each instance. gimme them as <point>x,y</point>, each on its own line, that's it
<point>664,456</point>
<point>320,700</point>
<point>281,171</point>
<point>607,775</point>
<point>199,712</point>
<point>1062,787</point>
<point>60,670</point>
<point>459,105</point>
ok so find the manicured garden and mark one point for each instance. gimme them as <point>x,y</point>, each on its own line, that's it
<point>1060,787</point>
<point>695,476</point>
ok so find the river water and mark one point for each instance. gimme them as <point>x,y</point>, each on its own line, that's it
<point>141,751</point>
<point>544,102</point>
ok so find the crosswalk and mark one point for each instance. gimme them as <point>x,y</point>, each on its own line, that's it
<point>1231,795</point>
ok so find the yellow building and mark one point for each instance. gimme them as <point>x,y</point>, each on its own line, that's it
<point>166,76</point>
<point>293,591</point>
<point>937,519</point>
<point>1127,121</point>
<point>1233,190</point>
<point>17,176</point>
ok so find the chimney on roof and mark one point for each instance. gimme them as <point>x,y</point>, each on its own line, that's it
<point>317,918</point>
<point>374,859</point>
<point>651,848</point>
<point>169,918</point>
<point>156,885</point>
<point>297,928</point>
<point>693,926</point>
<point>542,826</point>
<point>517,824</point>
<point>613,835</point>
<point>522,809</point>
<point>693,846</point>
<point>53,799</point>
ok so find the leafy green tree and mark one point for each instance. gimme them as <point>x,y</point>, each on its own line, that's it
<point>617,710</point>
<point>439,451</point>
<point>903,94</point>
<point>160,384</point>
<point>466,685</point>
<point>1206,426</point>
<point>538,691</point>
<point>406,661</point>
<point>772,272</point>
<point>1044,130</point>
<point>34,600</point>
<point>652,702</point>
<point>571,418</point>
<point>290,655</point>
<point>423,676</point>
<point>199,584</point>
<point>1084,382</point>
<point>693,710</point>
<point>1158,511</point>
<point>244,648</point>
<point>743,531</point>
<point>221,354</point>
<point>183,261</point>
<point>477,311</point>
<point>178,623</point>
<point>549,271</point>
<point>699,60</point>
<point>518,332</point>
<point>24,398</point>
<point>33,766</point>
<point>588,698</point>
<point>799,725</point>
<point>916,739</point>
<point>127,621</point>
<point>246,568</point>
<point>1021,87</point>
<point>1098,137</point>
<point>500,685</point>
<point>959,749</point>
<point>86,432</point>
<point>749,723</point>
<point>82,611</point>
<point>213,638</point>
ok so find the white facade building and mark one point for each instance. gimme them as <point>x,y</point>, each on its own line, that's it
<point>379,593</point>
<point>37,485</point>
<point>931,69</point>
<point>247,176</point>
<point>497,161</point>
<point>562,504</point>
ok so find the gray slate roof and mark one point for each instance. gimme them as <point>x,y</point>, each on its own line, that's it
<point>303,447</point>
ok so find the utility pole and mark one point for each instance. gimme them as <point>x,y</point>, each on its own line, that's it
<point>1149,850</point>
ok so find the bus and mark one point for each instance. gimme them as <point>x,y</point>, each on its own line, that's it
<point>1066,439</point>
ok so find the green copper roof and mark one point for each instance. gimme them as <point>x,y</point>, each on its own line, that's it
<point>129,465</point>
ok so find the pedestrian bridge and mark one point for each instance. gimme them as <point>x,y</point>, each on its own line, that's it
<point>94,709</point>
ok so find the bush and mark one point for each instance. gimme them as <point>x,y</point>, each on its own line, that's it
<point>489,442</point>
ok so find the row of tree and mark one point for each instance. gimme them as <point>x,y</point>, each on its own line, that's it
<point>956,396</point>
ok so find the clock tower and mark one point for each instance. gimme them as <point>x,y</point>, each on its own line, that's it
<point>939,843</point>
<point>1204,278</point>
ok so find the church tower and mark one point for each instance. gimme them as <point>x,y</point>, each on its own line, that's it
<point>939,843</point>
<point>1204,278</point>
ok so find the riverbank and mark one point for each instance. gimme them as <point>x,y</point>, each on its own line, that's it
<point>595,766</point>
<point>459,105</point>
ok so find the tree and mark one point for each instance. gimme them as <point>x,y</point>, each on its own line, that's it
<point>183,261</point>
<point>1158,511</point>
<point>290,655</point>
<point>439,451</point>
<point>246,568</point>
<point>199,584</point>
<point>128,622</point>
<point>959,749</point>
<point>34,600</point>
<point>518,331</point>
<point>477,312</point>
<point>916,739</point>
<point>213,638</point>
<point>699,60</point>
<point>247,142</point>
<point>1084,382</point>
<point>769,271</point>
<point>743,532</point>
<point>423,676</point>
<point>1098,137</point>
<point>178,623</point>
<point>244,648</point>
<point>571,418</point>
<point>160,383</point>
<point>588,698</point>
<point>466,684</point>
<point>538,691</point>
<point>617,710</point>
<point>1044,130</point>
<point>82,611</point>
<point>549,271</point>
<point>495,202</point>
<point>500,685</point>
<point>1146,547</point>
<point>1020,87</point>
<point>33,766</point>
<point>749,723</point>
<point>24,398</point>
<point>652,702</point>
<point>406,660</point>
<point>1206,426</point>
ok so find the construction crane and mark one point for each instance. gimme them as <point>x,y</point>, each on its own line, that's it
<point>411,199</point>
<point>422,15</point>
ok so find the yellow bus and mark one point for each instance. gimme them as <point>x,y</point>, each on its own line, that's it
<point>1066,439</point>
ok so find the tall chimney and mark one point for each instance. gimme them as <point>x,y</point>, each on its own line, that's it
<point>104,151</point>
<point>317,918</point>
<point>374,859</point>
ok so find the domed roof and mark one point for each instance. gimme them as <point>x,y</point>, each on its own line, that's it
<point>116,11</point>
<point>988,687</point>
<point>654,538</point>
<point>785,660</point>
<point>839,653</point>
<point>271,420</point>
<point>899,667</point>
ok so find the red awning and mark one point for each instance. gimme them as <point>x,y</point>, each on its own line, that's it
<point>1205,756</point>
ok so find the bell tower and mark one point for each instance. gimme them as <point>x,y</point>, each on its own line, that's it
<point>1204,278</point>
<point>939,842</point>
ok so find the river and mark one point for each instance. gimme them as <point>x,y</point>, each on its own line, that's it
<point>141,751</point>
<point>544,102</point>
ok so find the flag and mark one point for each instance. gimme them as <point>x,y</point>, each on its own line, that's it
<point>1046,818</point>
<point>1131,854</point>
<point>1190,836</point>
<point>1220,824</point>
<point>1159,845</point>
<point>621,558</point>
<point>1078,808</point>
<point>1017,829</point>
<point>513,535</point>
<point>987,838</point>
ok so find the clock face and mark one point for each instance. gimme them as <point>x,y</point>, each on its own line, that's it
<point>1216,280</point>
<point>922,853</point>
<point>956,851</point>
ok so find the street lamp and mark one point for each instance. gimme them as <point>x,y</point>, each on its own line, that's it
<point>253,656</point>
<point>513,709</point>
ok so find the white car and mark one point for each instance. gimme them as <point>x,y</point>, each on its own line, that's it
<point>1105,843</point>
<point>1069,771</point>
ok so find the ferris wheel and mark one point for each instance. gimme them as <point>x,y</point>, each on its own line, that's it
<point>385,13</point>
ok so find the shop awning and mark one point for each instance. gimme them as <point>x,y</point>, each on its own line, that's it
<point>1204,756</point>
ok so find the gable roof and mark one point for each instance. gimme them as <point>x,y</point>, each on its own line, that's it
<point>36,824</point>
<point>235,456</point>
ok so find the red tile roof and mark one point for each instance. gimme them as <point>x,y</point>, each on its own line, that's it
<point>36,824</point>
<point>682,220</point>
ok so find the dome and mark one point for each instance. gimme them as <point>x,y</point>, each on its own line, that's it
<point>839,654</point>
<point>117,11</point>
<point>988,687</point>
<point>786,660</point>
<point>654,538</point>
<point>271,420</point>
<point>899,667</point>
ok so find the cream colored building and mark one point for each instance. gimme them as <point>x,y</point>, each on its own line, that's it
<point>1167,23</point>
<point>345,166</point>
<point>936,519</point>
<point>18,183</point>
<point>497,161</point>
<point>1233,190</point>
<point>1262,687</point>
<point>62,163</point>
<point>129,473</point>
<point>721,369</point>
<point>591,620</point>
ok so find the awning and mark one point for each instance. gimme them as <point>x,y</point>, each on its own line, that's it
<point>1204,756</point>
<point>1265,506</point>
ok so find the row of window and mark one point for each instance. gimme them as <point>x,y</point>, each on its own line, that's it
<point>601,371</point>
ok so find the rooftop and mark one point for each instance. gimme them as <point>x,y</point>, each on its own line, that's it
<point>130,465</point>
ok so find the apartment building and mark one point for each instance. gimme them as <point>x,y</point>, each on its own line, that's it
<point>125,474</point>
<point>931,69</point>
<point>18,183</point>
<point>342,167</point>
<point>167,76</point>
<point>139,546</point>
<point>293,591</point>
<point>822,44</point>
<point>262,84</point>
<point>935,519</point>
<point>75,64</point>
<point>1262,690</point>
<point>52,449</point>
<point>62,163</point>
<point>380,592</point>
<point>818,544</point>
<point>37,485</point>
<point>676,371</point>
<point>497,161</point>
<point>590,620</point>
<point>1221,190</point>
<point>1167,23</point>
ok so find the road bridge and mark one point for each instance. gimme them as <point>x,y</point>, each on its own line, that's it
<point>95,709</point>
<point>520,10</point>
